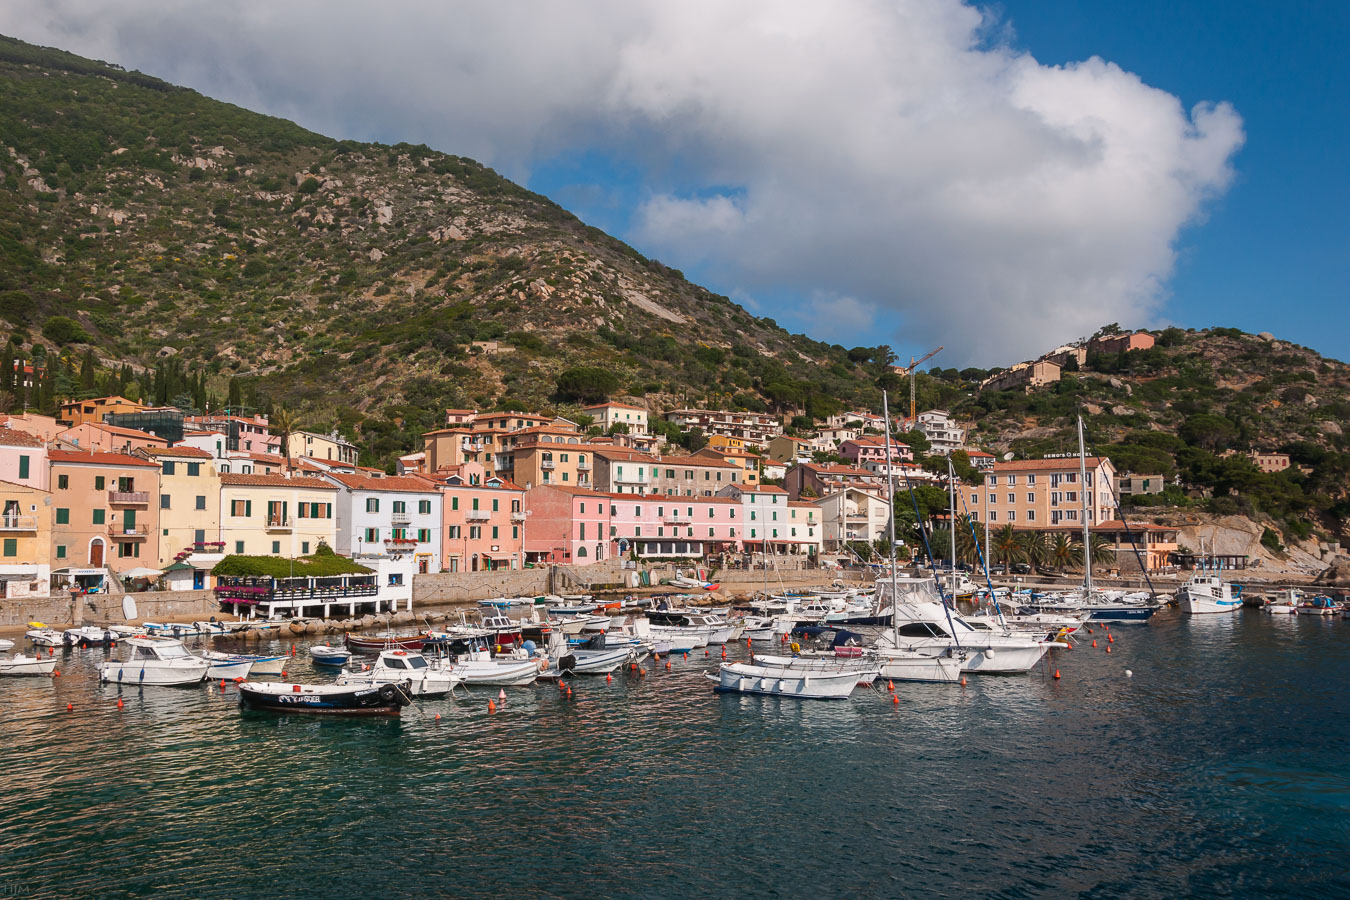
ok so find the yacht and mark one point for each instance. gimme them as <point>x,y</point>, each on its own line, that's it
<point>162,661</point>
<point>423,677</point>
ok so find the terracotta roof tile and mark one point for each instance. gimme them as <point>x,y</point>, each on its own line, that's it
<point>187,452</point>
<point>240,479</point>
<point>100,459</point>
<point>11,438</point>
<point>399,483</point>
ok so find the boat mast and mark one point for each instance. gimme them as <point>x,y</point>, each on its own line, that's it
<point>1082,489</point>
<point>890,501</point>
<point>951,490</point>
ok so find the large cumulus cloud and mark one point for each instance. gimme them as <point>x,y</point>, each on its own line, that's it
<point>860,155</point>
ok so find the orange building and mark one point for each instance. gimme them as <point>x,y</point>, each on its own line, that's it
<point>77,412</point>
<point>102,511</point>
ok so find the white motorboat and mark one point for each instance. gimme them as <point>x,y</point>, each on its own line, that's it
<point>742,678</point>
<point>227,666</point>
<point>594,657</point>
<point>171,629</point>
<point>1207,592</point>
<point>19,664</point>
<point>423,677</point>
<point>478,667</point>
<point>330,656</point>
<point>42,636</point>
<point>160,661</point>
<point>864,667</point>
<point>1284,603</point>
<point>6,645</point>
<point>87,635</point>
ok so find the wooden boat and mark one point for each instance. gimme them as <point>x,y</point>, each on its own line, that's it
<point>330,656</point>
<point>328,699</point>
<point>27,665</point>
<point>740,678</point>
<point>385,641</point>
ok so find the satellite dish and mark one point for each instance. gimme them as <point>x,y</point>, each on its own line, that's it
<point>1007,457</point>
<point>128,608</point>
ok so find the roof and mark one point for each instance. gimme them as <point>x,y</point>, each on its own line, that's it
<point>979,453</point>
<point>11,438</point>
<point>835,469</point>
<point>760,488</point>
<point>788,437</point>
<point>622,453</point>
<point>574,491</point>
<point>705,461</point>
<point>615,406</point>
<point>104,400</point>
<point>1035,465</point>
<point>239,479</point>
<point>461,412</point>
<point>190,452</point>
<point>806,503</point>
<point>400,483</point>
<point>98,459</point>
<point>120,431</point>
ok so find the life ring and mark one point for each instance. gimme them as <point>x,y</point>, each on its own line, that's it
<point>795,647</point>
<point>400,653</point>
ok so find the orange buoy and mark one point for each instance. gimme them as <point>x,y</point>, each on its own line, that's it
<point>1057,674</point>
<point>51,651</point>
<point>569,693</point>
<point>608,678</point>
<point>119,702</point>
<point>1110,638</point>
<point>1094,642</point>
<point>56,673</point>
<point>706,654</point>
<point>667,664</point>
<point>686,654</point>
<point>895,700</point>
<point>69,707</point>
<point>222,684</point>
<point>890,685</point>
<point>963,681</point>
<point>724,652</point>
<point>1108,649</point>
<point>238,679</point>
<point>438,717</point>
<point>292,649</point>
<point>492,706</point>
<point>283,675</point>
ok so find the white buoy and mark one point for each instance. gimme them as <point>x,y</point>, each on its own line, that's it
<point>1129,674</point>
<point>501,695</point>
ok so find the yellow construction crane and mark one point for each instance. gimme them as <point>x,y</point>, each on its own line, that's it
<point>909,370</point>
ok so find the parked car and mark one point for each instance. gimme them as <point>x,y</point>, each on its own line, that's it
<point>1021,569</point>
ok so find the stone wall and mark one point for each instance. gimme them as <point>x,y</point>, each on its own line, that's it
<point>449,588</point>
<point>63,611</point>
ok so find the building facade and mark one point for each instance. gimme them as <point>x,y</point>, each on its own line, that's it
<point>272,515</point>
<point>25,540</point>
<point>1042,493</point>
<point>105,513</point>
<point>390,515</point>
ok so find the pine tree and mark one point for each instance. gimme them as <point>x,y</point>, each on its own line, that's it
<point>88,373</point>
<point>236,397</point>
<point>7,370</point>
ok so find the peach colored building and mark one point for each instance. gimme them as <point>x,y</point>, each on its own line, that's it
<point>77,412</point>
<point>1122,343</point>
<point>566,525</point>
<point>1041,493</point>
<point>607,415</point>
<point>483,525</point>
<point>25,541</point>
<point>189,504</point>
<point>45,427</point>
<point>23,459</point>
<point>105,512</point>
<point>272,515</point>
<point>109,438</point>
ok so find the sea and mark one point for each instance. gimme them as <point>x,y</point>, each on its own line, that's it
<point>1202,756</point>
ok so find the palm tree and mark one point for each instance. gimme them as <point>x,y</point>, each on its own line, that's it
<point>1035,547</point>
<point>1062,551</point>
<point>283,425</point>
<point>1007,546</point>
<point>1102,551</point>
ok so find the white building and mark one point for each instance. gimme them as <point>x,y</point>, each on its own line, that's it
<point>766,522</point>
<point>942,432</point>
<point>392,516</point>
<point>607,415</point>
<point>853,516</point>
<point>393,577</point>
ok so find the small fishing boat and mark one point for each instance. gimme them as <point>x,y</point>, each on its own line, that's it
<point>331,699</point>
<point>1320,606</point>
<point>594,657</point>
<point>421,676</point>
<point>6,645</point>
<point>88,636</point>
<point>160,661</point>
<point>865,667</point>
<point>42,636</point>
<point>386,641</point>
<point>1284,603</point>
<point>1207,592</point>
<point>171,629</point>
<point>227,666</point>
<point>19,664</point>
<point>742,678</point>
<point>330,656</point>
<point>266,665</point>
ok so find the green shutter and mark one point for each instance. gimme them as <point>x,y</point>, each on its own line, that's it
<point>248,509</point>
<point>23,473</point>
<point>11,544</point>
<point>62,516</point>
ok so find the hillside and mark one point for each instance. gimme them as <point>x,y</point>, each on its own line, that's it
<point>361,284</point>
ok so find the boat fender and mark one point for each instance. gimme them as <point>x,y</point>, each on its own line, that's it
<point>543,663</point>
<point>388,692</point>
<point>795,647</point>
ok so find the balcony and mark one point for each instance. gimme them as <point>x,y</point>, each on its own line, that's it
<point>399,519</point>
<point>18,523</point>
<point>129,532</point>
<point>278,524</point>
<point>583,465</point>
<point>477,515</point>
<point>400,545</point>
<point>208,546</point>
<point>128,498</point>
<point>517,517</point>
<point>677,519</point>
<point>546,464</point>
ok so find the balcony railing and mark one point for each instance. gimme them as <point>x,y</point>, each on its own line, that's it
<point>125,532</point>
<point>208,546</point>
<point>18,523</point>
<point>583,464</point>
<point>546,464</point>
<point>677,519</point>
<point>477,515</point>
<point>128,498</point>
<point>517,516</point>
<point>278,523</point>
<point>400,518</point>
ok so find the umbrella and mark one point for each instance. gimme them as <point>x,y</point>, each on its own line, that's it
<point>142,573</point>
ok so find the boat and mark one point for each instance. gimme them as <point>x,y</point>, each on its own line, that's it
<point>420,676</point>
<point>171,629</point>
<point>1284,603</point>
<point>1207,592</point>
<point>88,635</point>
<point>388,640</point>
<point>160,661</point>
<point>227,666</point>
<point>745,678</point>
<point>330,656</point>
<point>266,665</point>
<point>331,699</point>
<point>474,662</point>
<point>1320,606</point>
<point>42,636</point>
<point>6,645</point>
<point>684,582</point>
<point>18,664</point>
<point>864,666</point>
<point>594,657</point>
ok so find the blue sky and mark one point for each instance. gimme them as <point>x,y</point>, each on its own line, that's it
<point>995,179</point>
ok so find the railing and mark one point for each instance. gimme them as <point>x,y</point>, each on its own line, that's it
<point>517,517</point>
<point>18,523</point>
<point>677,519</point>
<point>208,546</point>
<point>129,532</point>
<point>477,515</point>
<point>278,523</point>
<point>401,518</point>
<point>546,464</point>
<point>583,465</point>
<point>128,498</point>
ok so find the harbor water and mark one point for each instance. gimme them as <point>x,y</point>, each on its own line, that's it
<point>1218,768</point>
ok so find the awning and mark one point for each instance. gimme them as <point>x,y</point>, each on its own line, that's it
<point>142,572</point>
<point>180,567</point>
<point>71,570</point>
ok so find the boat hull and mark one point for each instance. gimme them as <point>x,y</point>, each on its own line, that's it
<point>1126,615</point>
<point>1196,606</point>
<point>736,678</point>
<point>381,700</point>
<point>494,674</point>
<point>135,673</point>
<point>27,665</point>
<point>917,667</point>
<point>406,642</point>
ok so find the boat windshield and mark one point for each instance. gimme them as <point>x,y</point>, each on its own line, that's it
<point>417,662</point>
<point>394,663</point>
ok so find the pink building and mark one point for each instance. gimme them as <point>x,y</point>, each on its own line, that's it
<point>99,438</point>
<point>566,525</point>
<point>871,448</point>
<point>483,524</point>
<point>692,527</point>
<point>23,459</point>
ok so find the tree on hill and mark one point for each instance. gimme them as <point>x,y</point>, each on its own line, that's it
<point>585,384</point>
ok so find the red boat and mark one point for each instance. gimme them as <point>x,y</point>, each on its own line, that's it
<point>385,642</point>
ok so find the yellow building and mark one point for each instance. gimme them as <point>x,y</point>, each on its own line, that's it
<point>271,515</point>
<point>77,412</point>
<point>25,541</point>
<point>725,442</point>
<point>323,447</point>
<point>189,502</point>
<point>748,463</point>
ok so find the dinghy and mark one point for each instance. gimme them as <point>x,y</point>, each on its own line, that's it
<point>330,656</point>
<point>27,665</point>
<point>741,678</point>
<point>330,699</point>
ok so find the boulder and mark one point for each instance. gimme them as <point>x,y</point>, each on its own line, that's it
<point>296,627</point>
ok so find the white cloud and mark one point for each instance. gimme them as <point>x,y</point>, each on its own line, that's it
<point>876,150</point>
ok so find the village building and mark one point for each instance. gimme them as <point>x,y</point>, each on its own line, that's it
<point>1042,493</point>
<point>393,516</point>
<point>272,515</point>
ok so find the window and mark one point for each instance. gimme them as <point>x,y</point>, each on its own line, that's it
<point>475,502</point>
<point>276,546</point>
<point>238,546</point>
<point>100,483</point>
<point>454,503</point>
<point>993,480</point>
<point>424,506</point>
<point>1031,496</point>
<point>1031,479</point>
<point>304,547</point>
<point>1012,481</point>
<point>400,506</point>
<point>242,508</point>
<point>1031,515</point>
<point>129,548</point>
<point>515,532</point>
<point>454,532</point>
<point>62,482</point>
<point>475,532</point>
<point>993,515</point>
<point>1012,498</point>
<point>169,466</point>
<point>99,516</point>
<point>163,501</point>
<point>12,544</point>
<point>993,498</point>
<point>372,535</point>
<point>60,551</point>
<point>494,501</point>
<point>974,499</point>
<point>372,504</point>
<point>1012,515</point>
<point>194,469</point>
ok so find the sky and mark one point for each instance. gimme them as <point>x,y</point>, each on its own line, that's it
<point>996,179</point>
